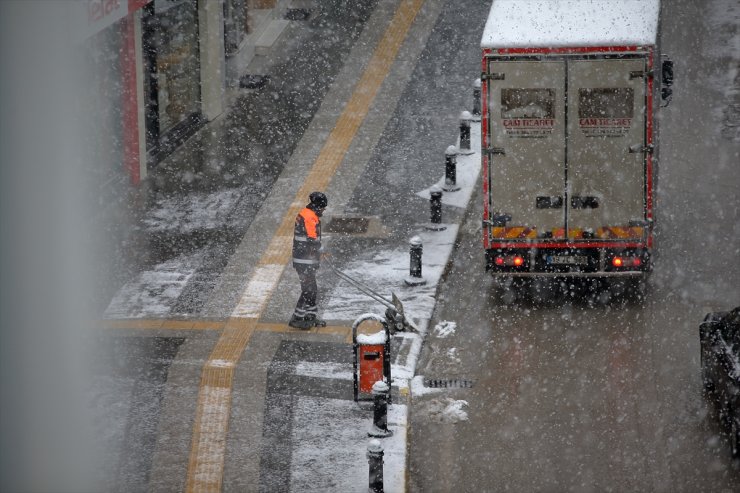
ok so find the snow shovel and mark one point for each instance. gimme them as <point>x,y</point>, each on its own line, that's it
<point>394,305</point>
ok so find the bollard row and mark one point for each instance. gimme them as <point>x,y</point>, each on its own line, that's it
<point>379,429</point>
<point>381,390</point>
<point>450,183</point>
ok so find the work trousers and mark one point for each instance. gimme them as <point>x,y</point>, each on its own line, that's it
<point>306,306</point>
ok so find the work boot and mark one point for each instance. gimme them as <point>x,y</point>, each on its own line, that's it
<point>300,323</point>
<point>314,321</point>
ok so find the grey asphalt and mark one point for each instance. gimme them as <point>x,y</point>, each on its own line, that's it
<point>262,148</point>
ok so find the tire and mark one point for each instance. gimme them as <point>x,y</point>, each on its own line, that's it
<point>734,436</point>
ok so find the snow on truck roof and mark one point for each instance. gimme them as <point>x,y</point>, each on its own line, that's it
<point>570,23</point>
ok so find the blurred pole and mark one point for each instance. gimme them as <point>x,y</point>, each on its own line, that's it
<point>43,435</point>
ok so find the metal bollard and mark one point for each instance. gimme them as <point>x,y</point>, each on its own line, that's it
<point>476,100</point>
<point>415,251</point>
<point>379,429</point>
<point>375,461</point>
<point>465,119</point>
<point>435,202</point>
<point>451,170</point>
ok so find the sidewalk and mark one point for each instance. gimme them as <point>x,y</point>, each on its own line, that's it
<point>292,424</point>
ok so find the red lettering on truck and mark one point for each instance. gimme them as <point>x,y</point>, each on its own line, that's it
<point>529,122</point>
<point>605,122</point>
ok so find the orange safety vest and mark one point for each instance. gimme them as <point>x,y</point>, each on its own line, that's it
<point>306,238</point>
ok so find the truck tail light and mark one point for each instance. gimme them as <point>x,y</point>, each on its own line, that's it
<point>626,261</point>
<point>508,260</point>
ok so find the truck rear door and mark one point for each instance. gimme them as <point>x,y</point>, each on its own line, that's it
<point>567,142</point>
<point>605,146</point>
<point>527,132</point>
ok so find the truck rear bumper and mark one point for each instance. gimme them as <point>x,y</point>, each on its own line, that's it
<point>569,262</point>
<point>632,274</point>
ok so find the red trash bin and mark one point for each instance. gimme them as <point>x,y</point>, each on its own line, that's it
<point>371,357</point>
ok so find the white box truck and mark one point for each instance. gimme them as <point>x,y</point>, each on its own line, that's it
<point>569,145</point>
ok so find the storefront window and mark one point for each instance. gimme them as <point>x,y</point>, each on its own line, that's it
<point>235,24</point>
<point>171,43</point>
<point>103,124</point>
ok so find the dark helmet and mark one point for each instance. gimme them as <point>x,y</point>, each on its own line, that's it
<point>318,200</point>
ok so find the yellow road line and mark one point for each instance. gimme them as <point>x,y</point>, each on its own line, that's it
<point>198,325</point>
<point>205,468</point>
<point>161,323</point>
<point>131,324</point>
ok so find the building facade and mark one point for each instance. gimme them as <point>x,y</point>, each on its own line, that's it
<point>155,74</point>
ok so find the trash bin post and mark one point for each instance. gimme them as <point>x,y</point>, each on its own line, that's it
<point>372,354</point>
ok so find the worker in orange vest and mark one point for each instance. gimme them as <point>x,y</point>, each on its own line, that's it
<point>306,259</point>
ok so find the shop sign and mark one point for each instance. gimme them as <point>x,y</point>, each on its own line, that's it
<point>93,16</point>
<point>99,11</point>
